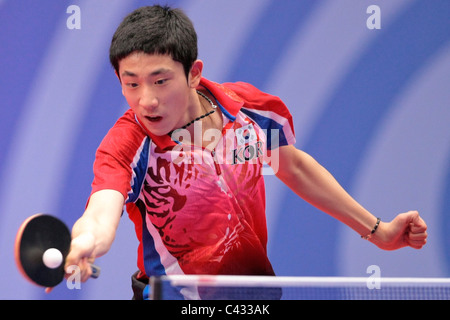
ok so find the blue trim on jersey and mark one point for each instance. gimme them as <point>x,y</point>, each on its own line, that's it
<point>140,170</point>
<point>274,131</point>
<point>152,261</point>
<point>224,111</point>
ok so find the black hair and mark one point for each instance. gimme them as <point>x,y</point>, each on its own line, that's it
<point>155,30</point>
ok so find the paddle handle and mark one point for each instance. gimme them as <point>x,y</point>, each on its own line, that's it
<point>95,271</point>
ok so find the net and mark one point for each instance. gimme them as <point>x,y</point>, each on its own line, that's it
<point>194,287</point>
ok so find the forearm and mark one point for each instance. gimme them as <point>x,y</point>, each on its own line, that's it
<point>89,229</point>
<point>312,182</point>
<point>99,222</point>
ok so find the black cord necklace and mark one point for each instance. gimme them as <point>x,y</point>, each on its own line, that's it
<point>204,115</point>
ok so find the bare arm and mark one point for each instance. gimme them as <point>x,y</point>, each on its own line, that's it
<point>94,233</point>
<point>312,182</point>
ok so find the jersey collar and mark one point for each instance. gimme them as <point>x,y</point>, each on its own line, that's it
<point>229,103</point>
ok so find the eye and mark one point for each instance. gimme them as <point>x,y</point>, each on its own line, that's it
<point>160,81</point>
<point>132,85</point>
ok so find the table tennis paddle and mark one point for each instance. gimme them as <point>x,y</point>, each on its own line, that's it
<point>36,235</point>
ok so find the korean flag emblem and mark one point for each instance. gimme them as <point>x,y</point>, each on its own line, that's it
<point>246,134</point>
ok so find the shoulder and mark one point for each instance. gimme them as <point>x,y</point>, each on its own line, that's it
<point>126,136</point>
<point>240,93</point>
<point>256,100</point>
<point>250,93</point>
<point>122,158</point>
<point>268,111</point>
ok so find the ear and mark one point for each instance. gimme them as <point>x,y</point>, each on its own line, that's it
<point>195,74</point>
<point>118,77</point>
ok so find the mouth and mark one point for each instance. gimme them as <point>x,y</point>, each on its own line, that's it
<point>154,119</point>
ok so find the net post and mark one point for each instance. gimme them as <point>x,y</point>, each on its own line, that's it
<point>155,288</point>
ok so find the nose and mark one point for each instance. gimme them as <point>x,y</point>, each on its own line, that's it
<point>148,100</point>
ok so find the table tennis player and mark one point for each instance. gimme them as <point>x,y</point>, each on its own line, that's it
<point>186,160</point>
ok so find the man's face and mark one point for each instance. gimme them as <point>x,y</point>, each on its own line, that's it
<point>156,89</point>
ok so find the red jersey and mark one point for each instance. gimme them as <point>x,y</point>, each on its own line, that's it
<point>198,211</point>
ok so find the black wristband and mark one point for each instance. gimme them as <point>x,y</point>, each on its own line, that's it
<point>367,237</point>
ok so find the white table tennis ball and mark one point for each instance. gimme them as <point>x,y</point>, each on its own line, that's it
<point>52,258</point>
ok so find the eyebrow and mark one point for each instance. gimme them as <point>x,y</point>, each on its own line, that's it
<point>154,73</point>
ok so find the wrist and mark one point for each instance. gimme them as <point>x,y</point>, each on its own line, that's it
<point>372,231</point>
<point>84,242</point>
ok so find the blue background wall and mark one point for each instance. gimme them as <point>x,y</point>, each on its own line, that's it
<point>373,106</point>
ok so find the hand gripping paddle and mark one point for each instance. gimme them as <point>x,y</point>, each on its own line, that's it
<point>36,235</point>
